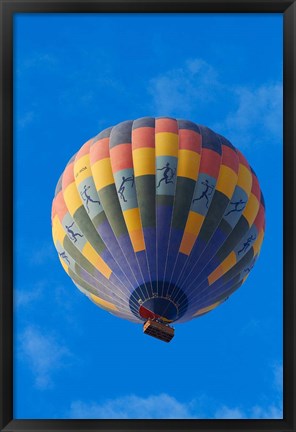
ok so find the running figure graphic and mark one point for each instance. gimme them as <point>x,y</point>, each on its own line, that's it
<point>72,233</point>
<point>168,174</point>
<point>247,244</point>
<point>122,187</point>
<point>206,193</point>
<point>63,255</point>
<point>87,198</point>
<point>236,206</point>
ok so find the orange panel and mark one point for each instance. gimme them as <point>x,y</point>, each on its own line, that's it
<point>187,243</point>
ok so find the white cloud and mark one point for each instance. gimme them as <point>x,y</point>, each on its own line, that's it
<point>26,296</point>
<point>44,355</point>
<point>270,412</point>
<point>257,117</point>
<point>229,413</point>
<point>256,412</point>
<point>162,406</point>
<point>248,114</point>
<point>278,377</point>
<point>179,90</point>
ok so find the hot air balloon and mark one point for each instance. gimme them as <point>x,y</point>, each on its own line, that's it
<point>158,221</point>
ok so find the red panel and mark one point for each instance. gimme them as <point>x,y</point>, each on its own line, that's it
<point>60,206</point>
<point>166,125</point>
<point>242,159</point>
<point>121,157</point>
<point>68,175</point>
<point>53,210</point>
<point>146,313</point>
<point>189,140</point>
<point>143,137</point>
<point>255,187</point>
<point>84,149</point>
<point>99,150</point>
<point>210,162</point>
<point>260,218</point>
<point>230,158</point>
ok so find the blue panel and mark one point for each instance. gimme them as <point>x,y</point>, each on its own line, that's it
<point>144,122</point>
<point>121,134</point>
<point>210,140</point>
<point>104,134</point>
<point>186,124</point>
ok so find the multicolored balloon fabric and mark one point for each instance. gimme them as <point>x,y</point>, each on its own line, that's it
<point>158,218</point>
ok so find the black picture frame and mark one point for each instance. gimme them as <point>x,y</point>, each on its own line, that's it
<point>10,7</point>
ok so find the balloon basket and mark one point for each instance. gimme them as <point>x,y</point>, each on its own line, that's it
<point>158,330</point>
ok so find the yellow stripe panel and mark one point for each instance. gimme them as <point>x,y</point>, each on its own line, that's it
<point>194,223</point>
<point>187,243</point>
<point>251,210</point>
<point>192,228</point>
<point>206,309</point>
<point>102,173</point>
<point>65,267</point>
<point>223,268</point>
<point>82,169</point>
<point>218,272</point>
<point>58,230</point>
<point>258,242</point>
<point>132,219</point>
<point>91,255</point>
<point>188,164</point>
<point>103,303</point>
<point>72,198</point>
<point>227,181</point>
<point>54,233</point>
<point>144,161</point>
<point>137,240</point>
<point>166,144</point>
<point>134,226</point>
<point>229,262</point>
<point>244,179</point>
<point>244,279</point>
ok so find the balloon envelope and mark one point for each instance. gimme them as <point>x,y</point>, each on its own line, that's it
<point>158,218</point>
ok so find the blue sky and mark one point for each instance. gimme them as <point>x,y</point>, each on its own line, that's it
<point>75,75</point>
